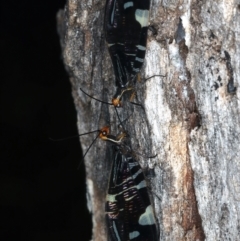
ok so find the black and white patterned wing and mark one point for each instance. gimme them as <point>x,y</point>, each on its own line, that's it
<point>129,213</point>
<point>126,25</point>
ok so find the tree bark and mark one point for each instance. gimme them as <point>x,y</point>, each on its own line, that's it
<point>190,117</point>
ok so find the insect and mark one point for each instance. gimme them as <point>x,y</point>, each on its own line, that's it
<point>126,26</point>
<point>129,214</point>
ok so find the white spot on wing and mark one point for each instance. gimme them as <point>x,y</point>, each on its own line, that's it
<point>142,17</point>
<point>113,11</point>
<point>133,164</point>
<point>128,5</point>
<point>116,232</point>
<point>140,47</point>
<point>139,59</point>
<point>147,218</point>
<point>136,174</point>
<point>136,70</point>
<point>142,184</point>
<point>133,234</point>
<point>111,198</point>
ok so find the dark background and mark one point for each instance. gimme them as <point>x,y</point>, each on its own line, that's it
<point>42,194</point>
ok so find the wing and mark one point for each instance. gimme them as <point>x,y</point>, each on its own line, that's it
<point>129,212</point>
<point>126,25</point>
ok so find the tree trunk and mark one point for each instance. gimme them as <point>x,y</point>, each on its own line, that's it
<point>190,117</point>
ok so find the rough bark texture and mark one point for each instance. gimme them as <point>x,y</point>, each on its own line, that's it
<point>191,117</point>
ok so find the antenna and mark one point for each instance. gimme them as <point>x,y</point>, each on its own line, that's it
<point>104,102</point>
<point>102,135</point>
<point>116,100</point>
<point>156,75</point>
<point>71,137</point>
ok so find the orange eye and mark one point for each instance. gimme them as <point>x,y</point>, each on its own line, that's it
<point>116,102</point>
<point>104,132</point>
